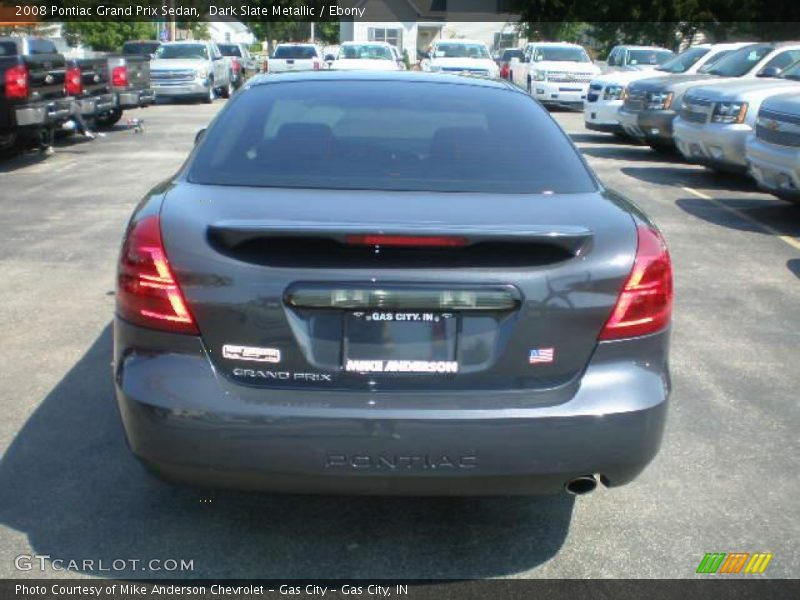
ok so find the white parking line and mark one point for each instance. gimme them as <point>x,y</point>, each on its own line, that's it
<point>793,242</point>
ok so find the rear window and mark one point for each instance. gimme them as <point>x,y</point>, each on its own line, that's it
<point>509,54</point>
<point>39,46</point>
<point>295,52</point>
<point>8,49</point>
<point>389,135</point>
<point>143,48</point>
<point>230,50</point>
<point>365,52</point>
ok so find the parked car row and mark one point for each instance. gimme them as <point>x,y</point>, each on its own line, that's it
<point>41,90</point>
<point>351,56</point>
<point>730,107</point>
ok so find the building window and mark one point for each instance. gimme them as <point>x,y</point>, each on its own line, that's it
<point>391,36</point>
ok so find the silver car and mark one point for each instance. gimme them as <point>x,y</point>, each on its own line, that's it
<point>449,302</point>
<point>773,153</point>
<point>715,120</point>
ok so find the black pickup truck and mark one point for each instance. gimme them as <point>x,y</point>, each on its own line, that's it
<point>32,98</point>
<point>88,82</point>
<point>130,81</point>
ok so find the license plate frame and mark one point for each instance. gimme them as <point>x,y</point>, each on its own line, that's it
<point>398,342</point>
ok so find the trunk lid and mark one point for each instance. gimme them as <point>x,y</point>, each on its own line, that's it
<point>270,269</point>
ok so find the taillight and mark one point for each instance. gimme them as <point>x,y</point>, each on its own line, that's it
<point>316,64</point>
<point>265,66</point>
<point>119,77</point>
<point>73,84</point>
<point>645,304</point>
<point>408,241</point>
<point>237,67</point>
<point>17,82</point>
<point>147,291</point>
<point>504,71</point>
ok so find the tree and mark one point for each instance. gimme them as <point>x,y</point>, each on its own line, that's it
<point>107,36</point>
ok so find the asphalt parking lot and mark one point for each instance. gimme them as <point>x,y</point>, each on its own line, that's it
<point>727,478</point>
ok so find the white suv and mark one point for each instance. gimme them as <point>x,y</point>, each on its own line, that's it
<point>461,57</point>
<point>555,73</point>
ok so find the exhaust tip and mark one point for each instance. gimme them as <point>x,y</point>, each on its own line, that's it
<point>581,485</point>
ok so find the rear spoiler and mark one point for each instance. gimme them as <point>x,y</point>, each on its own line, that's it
<point>233,233</point>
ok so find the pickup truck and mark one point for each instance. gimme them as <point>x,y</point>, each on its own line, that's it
<point>87,81</point>
<point>192,69</point>
<point>32,99</point>
<point>295,57</point>
<point>130,81</point>
<point>242,62</point>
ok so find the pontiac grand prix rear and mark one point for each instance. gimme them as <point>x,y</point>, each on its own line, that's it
<point>391,284</point>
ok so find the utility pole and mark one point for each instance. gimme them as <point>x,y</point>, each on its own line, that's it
<point>172,21</point>
<point>312,32</point>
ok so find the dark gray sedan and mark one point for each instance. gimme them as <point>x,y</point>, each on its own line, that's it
<point>391,284</point>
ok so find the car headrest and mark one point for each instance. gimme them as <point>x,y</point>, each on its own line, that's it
<point>459,143</point>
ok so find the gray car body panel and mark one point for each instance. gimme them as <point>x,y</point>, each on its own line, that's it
<point>498,426</point>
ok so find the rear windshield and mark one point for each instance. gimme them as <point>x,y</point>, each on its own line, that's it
<point>295,52</point>
<point>560,54</point>
<point>741,61</point>
<point>461,51</point>
<point>140,47</point>
<point>389,135</point>
<point>8,48</point>
<point>229,49</point>
<point>509,54</point>
<point>366,51</point>
<point>648,57</point>
<point>183,51</point>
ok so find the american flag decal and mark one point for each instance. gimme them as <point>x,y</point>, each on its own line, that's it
<point>541,355</point>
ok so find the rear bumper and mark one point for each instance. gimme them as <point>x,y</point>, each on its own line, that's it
<point>136,98</point>
<point>648,125</point>
<point>96,105</point>
<point>191,425</point>
<point>719,146</point>
<point>776,169</point>
<point>44,114</point>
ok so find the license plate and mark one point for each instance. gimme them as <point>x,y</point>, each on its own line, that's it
<point>397,342</point>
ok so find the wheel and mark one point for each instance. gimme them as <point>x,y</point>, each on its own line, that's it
<point>109,119</point>
<point>9,144</point>
<point>663,147</point>
<point>228,90</point>
<point>212,94</point>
